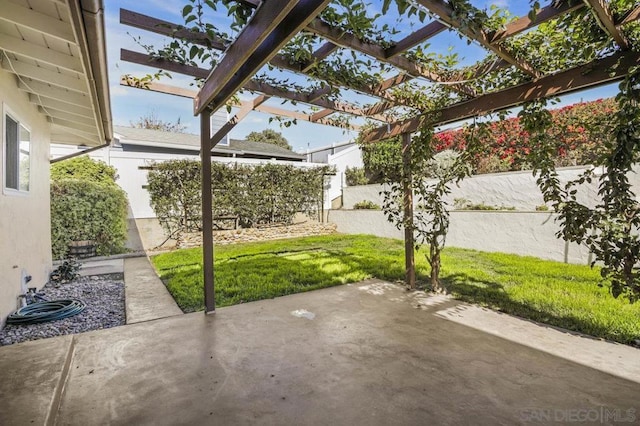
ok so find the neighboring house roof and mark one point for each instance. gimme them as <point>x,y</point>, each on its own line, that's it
<point>57,51</point>
<point>333,146</point>
<point>190,142</point>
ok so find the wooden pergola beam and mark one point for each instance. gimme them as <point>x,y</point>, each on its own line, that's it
<point>159,88</point>
<point>602,13</point>
<point>159,26</point>
<point>595,73</point>
<point>321,114</point>
<point>244,110</point>
<point>633,15</point>
<point>147,23</point>
<point>271,26</point>
<point>447,14</point>
<point>415,38</point>
<point>339,37</point>
<point>148,60</point>
<point>320,54</point>
<point>267,109</point>
<point>523,23</point>
<point>251,85</point>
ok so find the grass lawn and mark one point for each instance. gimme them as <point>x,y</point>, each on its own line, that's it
<point>555,293</point>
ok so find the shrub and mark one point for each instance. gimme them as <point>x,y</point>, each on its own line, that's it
<point>464,204</point>
<point>366,205</point>
<point>84,168</point>
<point>83,210</point>
<point>86,204</point>
<point>355,176</point>
<point>256,195</point>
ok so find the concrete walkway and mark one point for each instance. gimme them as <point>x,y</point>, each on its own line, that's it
<point>369,353</point>
<point>146,297</point>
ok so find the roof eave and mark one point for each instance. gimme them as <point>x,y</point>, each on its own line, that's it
<point>88,24</point>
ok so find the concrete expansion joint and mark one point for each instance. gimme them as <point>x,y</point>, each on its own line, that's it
<point>59,390</point>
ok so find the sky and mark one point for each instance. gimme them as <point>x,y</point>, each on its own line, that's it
<point>129,104</point>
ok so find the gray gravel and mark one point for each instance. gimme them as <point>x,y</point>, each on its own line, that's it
<point>103,295</point>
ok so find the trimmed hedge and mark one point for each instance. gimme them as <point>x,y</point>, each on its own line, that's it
<point>256,195</point>
<point>86,204</point>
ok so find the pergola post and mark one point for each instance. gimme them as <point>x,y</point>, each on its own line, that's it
<point>409,259</point>
<point>207,212</point>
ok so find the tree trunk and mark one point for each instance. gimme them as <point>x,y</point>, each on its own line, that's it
<point>434,252</point>
<point>409,243</point>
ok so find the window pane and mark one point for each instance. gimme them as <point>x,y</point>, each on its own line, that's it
<point>11,153</point>
<point>25,163</point>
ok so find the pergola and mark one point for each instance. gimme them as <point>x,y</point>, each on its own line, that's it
<point>273,24</point>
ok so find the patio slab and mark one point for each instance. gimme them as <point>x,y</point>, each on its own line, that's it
<point>369,353</point>
<point>31,380</point>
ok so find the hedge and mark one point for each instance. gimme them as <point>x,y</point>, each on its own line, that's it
<point>86,204</point>
<point>255,195</point>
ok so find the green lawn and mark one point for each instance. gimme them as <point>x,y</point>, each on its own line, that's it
<point>567,296</point>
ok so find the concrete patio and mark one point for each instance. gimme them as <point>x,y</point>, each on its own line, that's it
<point>369,353</point>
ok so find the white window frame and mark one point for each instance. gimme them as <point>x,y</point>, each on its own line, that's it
<point>6,111</point>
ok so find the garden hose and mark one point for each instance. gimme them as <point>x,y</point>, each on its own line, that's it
<point>38,312</point>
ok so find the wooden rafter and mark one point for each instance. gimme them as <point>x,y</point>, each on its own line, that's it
<point>447,14</point>
<point>59,94</point>
<point>36,21</point>
<point>159,26</point>
<point>337,38</point>
<point>595,73</point>
<point>415,38</point>
<point>602,13</point>
<point>147,23</point>
<point>523,23</point>
<point>251,85</point>
<point>43,54</point>
<point>320,54</point>
<point>349,41</point>
<point>268,109</point>
<point>65,81</point>
<point>244,110</point>
<point>633,15</point>
<point>272,25</point>
<point>190,94</point>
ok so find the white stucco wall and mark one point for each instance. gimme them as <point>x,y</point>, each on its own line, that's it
<point>511,189</point>
<point>522,233</point>
<point>349,157</point>
<point>25,230</point>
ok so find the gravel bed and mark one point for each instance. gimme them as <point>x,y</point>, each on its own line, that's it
<point>103,295</point>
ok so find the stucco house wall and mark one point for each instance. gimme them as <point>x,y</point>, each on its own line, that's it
<point>25,229</point>
<point>351,157</point>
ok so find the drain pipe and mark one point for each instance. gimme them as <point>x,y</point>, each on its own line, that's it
<point>76,154</point>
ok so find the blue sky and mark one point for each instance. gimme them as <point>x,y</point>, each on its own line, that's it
<point>128,104</point>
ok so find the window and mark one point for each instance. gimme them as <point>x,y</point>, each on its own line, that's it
<point>17,150</point>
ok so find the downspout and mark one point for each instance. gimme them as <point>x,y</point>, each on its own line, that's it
<point>76,154</point>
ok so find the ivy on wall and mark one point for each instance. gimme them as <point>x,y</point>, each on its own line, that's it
<point>255,195</point>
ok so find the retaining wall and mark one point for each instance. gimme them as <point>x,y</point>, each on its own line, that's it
<point>306,229</point>
<point>523,233</point>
